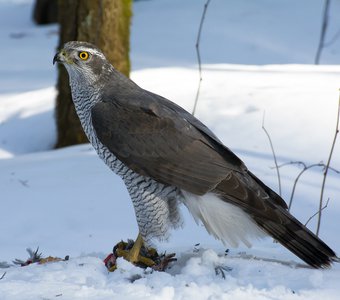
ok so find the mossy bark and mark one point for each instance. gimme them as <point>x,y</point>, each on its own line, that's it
<point>105,23</point>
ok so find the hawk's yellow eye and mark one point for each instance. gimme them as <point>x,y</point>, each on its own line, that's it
<point>83,55</point>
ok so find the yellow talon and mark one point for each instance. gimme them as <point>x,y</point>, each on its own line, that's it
<point>139,255</point>
<point>133,255</point>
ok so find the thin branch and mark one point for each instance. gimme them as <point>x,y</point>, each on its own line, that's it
<point>291,163</point>
<point>274,155</point>
<point>305,168</point>
<point>294,187</point>
<point>199,55</point>
<point>2,276</point>
<point>310,218</point>
<point>320,164</point>
<point>327,167</point>
<point>323,32</point>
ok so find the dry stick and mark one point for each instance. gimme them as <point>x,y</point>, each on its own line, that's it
<point>272,147</point>
<point>198,54</point>
<point>310,218</point>
<point>323,32</point>
<point>3,275</point>
<point>298,177</point>
<point>305,168</point>
<point>326,169</point>
<point>294,186</point>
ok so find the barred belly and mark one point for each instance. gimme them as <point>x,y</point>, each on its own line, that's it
<point>155,204</point>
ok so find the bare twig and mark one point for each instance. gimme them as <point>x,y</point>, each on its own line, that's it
<point>305,168</point>
<point>274,155</point>
<point>199,55</point>
<point>2,276</point>
<point>291,163</point>
<point>320,164</point>
<point>311,217</point>
<point>323,31</point>
<point>327,168</point>
<point>294,186</point>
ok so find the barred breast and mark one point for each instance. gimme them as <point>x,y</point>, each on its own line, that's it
<point>155,204</point>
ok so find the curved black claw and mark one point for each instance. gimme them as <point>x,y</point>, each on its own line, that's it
<point>163,261</point>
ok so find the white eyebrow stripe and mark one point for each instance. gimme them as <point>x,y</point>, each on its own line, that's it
<point>92,51</point>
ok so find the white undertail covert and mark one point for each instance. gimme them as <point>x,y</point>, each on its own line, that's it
<point>224,221</point>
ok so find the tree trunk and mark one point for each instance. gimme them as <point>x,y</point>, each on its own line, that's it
<point>105,23</point>
<point>45,12</point>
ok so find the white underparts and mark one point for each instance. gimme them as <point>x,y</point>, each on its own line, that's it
<point>226,222</point>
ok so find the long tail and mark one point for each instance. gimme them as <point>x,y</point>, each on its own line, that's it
<point>299,239</point>
<point>269,211</point>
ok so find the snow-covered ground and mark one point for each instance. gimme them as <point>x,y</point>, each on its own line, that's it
<point>256,58</point>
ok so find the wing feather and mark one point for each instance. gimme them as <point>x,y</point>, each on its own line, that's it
<point>158,139</point>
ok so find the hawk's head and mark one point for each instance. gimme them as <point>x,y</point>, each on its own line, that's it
<point>84,62</point>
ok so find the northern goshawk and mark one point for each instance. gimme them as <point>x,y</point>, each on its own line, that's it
<point>166,156</point>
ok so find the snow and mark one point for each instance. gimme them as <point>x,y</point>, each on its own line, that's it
<point>235,31</point>
<point>87,278</point>
<point>20,115</point>
<point>257,57</point>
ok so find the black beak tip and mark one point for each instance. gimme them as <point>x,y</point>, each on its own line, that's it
<point>56,58</point>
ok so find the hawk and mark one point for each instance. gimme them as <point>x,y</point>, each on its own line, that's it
<point>166,156</point>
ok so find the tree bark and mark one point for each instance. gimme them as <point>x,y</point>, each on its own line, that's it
<point>105,23</point>
<point>45,12</point>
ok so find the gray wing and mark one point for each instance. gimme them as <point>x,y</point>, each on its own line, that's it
<point>156,138</point>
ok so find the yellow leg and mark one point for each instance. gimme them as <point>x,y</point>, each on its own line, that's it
<point>135,250</point>
<point>133,255</point>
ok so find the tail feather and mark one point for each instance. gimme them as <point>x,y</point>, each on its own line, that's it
<point>268,211</point>
<point>300,240</point>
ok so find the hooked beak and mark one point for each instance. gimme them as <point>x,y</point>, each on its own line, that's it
<point>61,57</point>
<point>56,58</point>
